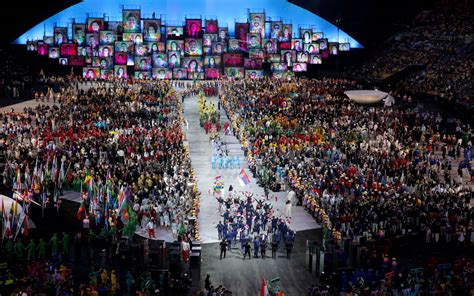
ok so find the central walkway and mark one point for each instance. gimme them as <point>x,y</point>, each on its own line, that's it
<point>201,153</point>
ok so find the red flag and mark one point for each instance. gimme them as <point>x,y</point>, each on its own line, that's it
<point>25,226</point>
<point>81,210</point>
<point>264,289</point>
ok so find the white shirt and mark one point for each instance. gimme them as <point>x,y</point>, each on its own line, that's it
<point>150,225</point>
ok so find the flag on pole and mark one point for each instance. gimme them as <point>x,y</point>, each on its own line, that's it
<point>243,178</point>
<point>264,288</point>
<point>4,219</point>
<point>5,173</point>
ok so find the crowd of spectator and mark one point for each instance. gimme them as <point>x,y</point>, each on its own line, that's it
<point>439,40</point>
<point>371,172</point>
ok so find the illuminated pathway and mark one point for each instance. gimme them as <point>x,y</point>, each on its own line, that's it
<point>201,153</point>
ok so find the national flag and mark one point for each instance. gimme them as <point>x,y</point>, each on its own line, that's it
<point>4,220</point>
<point>54,169</point>
<point>264,288</point>
<point>18,179</point>
<point>5,173</point>
<point>82,209</point>
<point>25,226</point>
<point>27,176</point>
<point>243,178</point>
<point>62,173</point>
<point>109,178</point>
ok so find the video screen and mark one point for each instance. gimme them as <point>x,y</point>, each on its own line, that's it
<point>211,26</point>
<point>223,33</point>
<point>212,73</point>
<point>180,73</point>
<point>254,74</point>
<point>206,50</point>
<point>273,58</point>
<point>299,67</point>
<point>317,36</point>
<point>92,40</point>
<point>152,30</point>
<point>333,48</point>
<point>143,63</point>
<point>270,45</point>
<point>160,60</point>
<point>253,41</point>
<point>124,46</point>
<point>234,72</point>
<point>315,59</point>
<point>311,48</point>
<point>106,37</point>
<point>32,46</point>
<point>208,39</point>
<point>49,40</point>
<point>285,45</point>
<point>90,73</point>
<point>288,75</point>
<point>344,46</point>
<point>141,75</point>
<point>233,60</point>
<point>257,54</point>
<point>106,51</point>
<point>286,33</point>
<point>323,44</point>
<point>212,61</point>
<point>94,25</point>
<point>193,47</point>
<point>288,56</point>
<point>195,75</point>
<point>196,50</point>
<point>253,64</point>
<point>162,73</point>
<point>278,67</point>
<point>136,38</point>
<point>156,47</point>
<point>53,52</point>
<point>141,50</point>
<point>85,51</point>
<point>174,59</point>
<point>105,73</point>
<point>115,26</point>
<point>302,57</point>
<point>174,32</point>
<point>234,45</point>
<point>120,72</point>
<point>68,49</point>
<point>76,61</point>
<point>60,35</point>
<point>257,24</point>
<point>276,30</point>
<point>175,45</point>
<point>297,44</point>
<point>306,35</point>
<point>193,28</point>
<point>102,63</point>
<point>193,64</point>
<point>79,34</point>
<point>131,21</point>
<point>241,30</point>
<point>120,58</point>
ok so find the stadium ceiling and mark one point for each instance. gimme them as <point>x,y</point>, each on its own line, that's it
<point>365,20</point>
<point>227,12</point>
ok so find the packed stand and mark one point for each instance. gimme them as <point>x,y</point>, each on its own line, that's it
<point>373,173</point>
<point>439,41</point>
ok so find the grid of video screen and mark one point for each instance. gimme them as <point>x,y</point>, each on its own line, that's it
<point>199,49</point>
